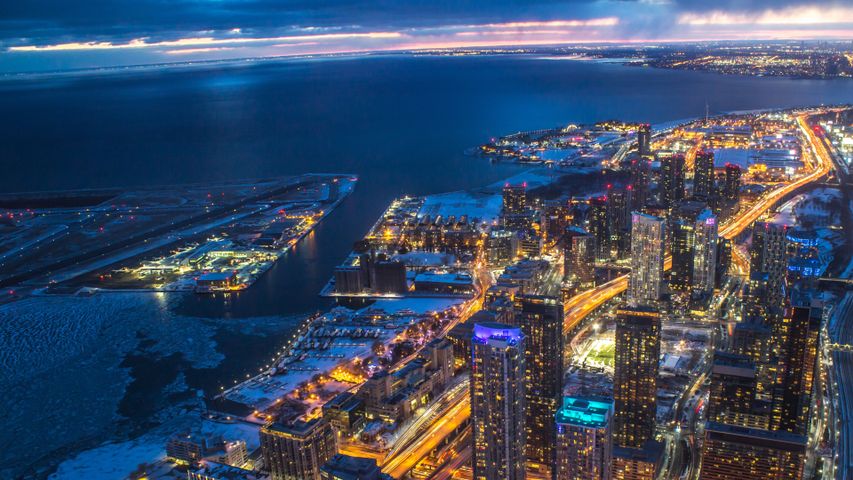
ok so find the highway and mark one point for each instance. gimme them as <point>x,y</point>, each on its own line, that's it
<point>400,464</point>
<point>582,304</point>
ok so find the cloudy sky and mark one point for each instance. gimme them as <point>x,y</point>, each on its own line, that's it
<point>61,34</point>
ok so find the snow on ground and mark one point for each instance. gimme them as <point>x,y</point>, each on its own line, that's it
<point>426,259</point>
<point>113,460</point>
<point>486,207</point>
<point>536,177</point>
<point>264,390</point>
<point>557,154</point>
<point>116,460</point>
<point>62,372</point>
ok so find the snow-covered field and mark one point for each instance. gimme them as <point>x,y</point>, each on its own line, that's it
<point>475,205</point>
<point>62,373</point>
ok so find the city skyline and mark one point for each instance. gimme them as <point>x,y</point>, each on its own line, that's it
<point>36,36</point>
<point>416,240</point>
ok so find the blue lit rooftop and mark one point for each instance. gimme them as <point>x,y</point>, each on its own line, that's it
<point>585,412</point>
<point>494,330</point>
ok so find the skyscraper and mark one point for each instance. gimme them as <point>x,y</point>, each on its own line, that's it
<point>515,214</point>
<point>797,346</point>
<point>635,375</point>
<point>514,199</point>
<point>554,220</point>
<point>705,253</point>
<point>647,252</point>
<point>683,245</point>
<point>619,219</point>
<point>703,175</point>
<point>768,255</point>
<point>497,401</point>
<point>644,140</point>
<point>640,178</point>
<point>296,450</point>
<point>584,445</point>
<point>540,319</point>
<point>733,385</point>
<point>599,227</point>
<point>671,179</point>
<point>579,258</point>
<point>731,187</point>
<point>724,259</point>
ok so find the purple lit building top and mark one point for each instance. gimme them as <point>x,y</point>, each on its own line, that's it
<point>498,331</point>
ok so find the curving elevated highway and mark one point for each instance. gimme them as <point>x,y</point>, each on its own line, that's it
<point>579,306</point>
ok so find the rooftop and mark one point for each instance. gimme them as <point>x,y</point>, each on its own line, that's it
<point>494,330</point>
<point>585,412</point>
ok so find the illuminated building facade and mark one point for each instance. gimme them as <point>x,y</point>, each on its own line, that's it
<point>740,453</point>
<point>635,377</point>
<point>733,385</point>
<point>671,179</point>
<point>514,199</point>
<point>515,213</point>
<point>579,258</point>
<point>599,227</point>
<point>797,357</point>
<point>640,179</point>
<point>731,185</point>
<point>644,140</point>
<point>619,220</point>
<point>724,260</point>
<point>540,319</point>
<point>297,450</point>
<point>497,401</point>
<point>345,467</point>
<point>555,218</point>
<point>705,253</point>
<point>803,255</point>
<point>647,254</point>
<point>768,254</point>
<point>703,175</point>
<point>501,247</point>
<point>637,463</point>
<point>683,247</point>
<point>584,445</point>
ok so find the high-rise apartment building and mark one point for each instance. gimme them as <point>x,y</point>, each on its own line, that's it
<point>644,140</point>
<point>579,258</point>
<point>640,180</point>
<point>731,185</point>
<point>296,450</point>
<point>635,375</point>
<point>671,179</point>
<point>705,253</point>
<point>497,401</point>
<point>584,444</point>
<point>599,227</point>
<point>731,452</point>
<point>683,244</point>
<point>768,254</point>
<point>703,175</point>
<point>647,255</point>
<point>514,198</point>
<point>797,346</point>
<point>540,319</point>
<point>733,385</point>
